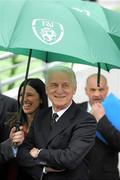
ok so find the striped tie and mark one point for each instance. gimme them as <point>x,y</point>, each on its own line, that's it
<point>54,117</point>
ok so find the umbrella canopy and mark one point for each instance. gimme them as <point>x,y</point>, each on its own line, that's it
<point>108,19</point>
<point>55,32</point>
<point>52,31</point>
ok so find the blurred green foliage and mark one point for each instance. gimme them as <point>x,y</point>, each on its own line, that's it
<point>6,70</point>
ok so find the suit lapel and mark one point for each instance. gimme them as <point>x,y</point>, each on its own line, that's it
<point>63,122</point>
<point>46,124</point>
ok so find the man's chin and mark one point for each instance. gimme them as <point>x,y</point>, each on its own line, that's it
<point>60,106</point>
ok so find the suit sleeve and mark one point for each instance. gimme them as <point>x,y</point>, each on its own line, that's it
<point>69,152</point>
<point>81,141</point>
<point>6,152</point>
<point>110,133</point>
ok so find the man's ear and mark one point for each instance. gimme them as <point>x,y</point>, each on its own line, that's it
<point>107,89</point>
<point>75,88</point>
<point>86,90</point>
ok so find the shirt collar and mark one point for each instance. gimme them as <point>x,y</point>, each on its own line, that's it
<point>89,108</point>
<point>60,113</point>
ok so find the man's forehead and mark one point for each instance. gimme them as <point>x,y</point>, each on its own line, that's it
<point>59,81</point>
<point>59,77</point>
<point>93,81</point>
<point>97,88</point>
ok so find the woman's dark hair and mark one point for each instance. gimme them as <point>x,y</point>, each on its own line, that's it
<point>39,87</point>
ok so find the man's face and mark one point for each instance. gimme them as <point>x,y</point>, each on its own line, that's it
<point>95,93</point>
<point>60,90</point>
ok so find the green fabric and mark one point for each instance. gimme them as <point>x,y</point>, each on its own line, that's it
<point>73,37</point>
<point>108,19</point>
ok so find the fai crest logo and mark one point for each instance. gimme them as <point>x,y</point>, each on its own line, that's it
<point>47,31</point>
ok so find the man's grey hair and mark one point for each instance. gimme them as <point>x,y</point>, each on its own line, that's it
<point>63,69</point>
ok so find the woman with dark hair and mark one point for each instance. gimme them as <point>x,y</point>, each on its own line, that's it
<point>34,98</point>
<point>39,86</point>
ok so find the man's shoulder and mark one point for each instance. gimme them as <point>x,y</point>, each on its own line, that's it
<point>83,114</point>
<point>81,108</point>
<point>7,103</point>
<point>83,105</point>
<point>44,111</point>
<point>7,98</point>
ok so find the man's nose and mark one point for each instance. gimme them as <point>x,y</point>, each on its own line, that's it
<point>59,89</point>
<point>97,93</point>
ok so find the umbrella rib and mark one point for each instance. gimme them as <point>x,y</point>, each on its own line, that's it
<point>98,76</point>
<point>24,88</point>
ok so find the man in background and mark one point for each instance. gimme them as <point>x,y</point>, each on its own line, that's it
<point>103,157</point>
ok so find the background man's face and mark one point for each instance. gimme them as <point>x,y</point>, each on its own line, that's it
<point>95,93</point>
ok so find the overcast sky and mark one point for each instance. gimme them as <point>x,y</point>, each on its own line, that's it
<point>111,4</point>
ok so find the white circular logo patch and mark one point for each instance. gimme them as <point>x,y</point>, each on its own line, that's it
<point>47,31</point>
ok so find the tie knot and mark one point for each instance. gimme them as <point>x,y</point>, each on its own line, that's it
<point>54,117</point>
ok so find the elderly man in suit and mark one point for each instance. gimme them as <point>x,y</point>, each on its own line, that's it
<point>57,150</point>
<point>103,157</point>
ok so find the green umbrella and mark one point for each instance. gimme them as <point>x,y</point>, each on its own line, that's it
<point>108,19</point>
<point>52,31</point>
<point>55,32</point>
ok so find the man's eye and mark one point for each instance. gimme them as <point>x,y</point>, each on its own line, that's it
<point>29,95</point>
<point>101,90</point>
<point>53,85</point>
<point>65,85</point>
<point>92,90</point>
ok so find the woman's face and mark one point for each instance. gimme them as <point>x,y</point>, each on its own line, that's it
<point>31,100</point>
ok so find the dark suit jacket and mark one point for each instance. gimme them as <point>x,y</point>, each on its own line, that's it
<point>65,145</point>
<point>104,158</point>
<point>7,106</point>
